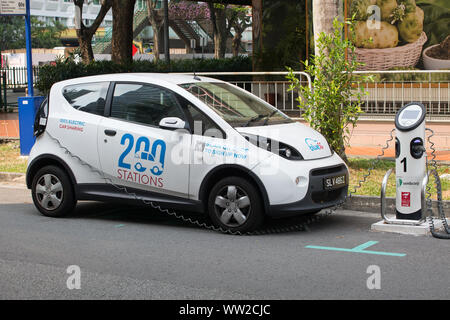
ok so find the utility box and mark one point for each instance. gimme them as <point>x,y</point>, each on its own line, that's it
<point>28,107</point>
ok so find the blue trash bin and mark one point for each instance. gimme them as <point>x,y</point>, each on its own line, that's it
<point>28,107</point>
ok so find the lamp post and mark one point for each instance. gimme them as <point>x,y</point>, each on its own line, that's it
<point>29,51</point>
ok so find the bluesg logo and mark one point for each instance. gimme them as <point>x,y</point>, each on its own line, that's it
<point>313,144</point>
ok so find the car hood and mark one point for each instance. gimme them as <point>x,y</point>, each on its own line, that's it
<point>310,143</point>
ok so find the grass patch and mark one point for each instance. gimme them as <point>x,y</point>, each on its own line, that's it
<point>10,160</point>
<point>359,167</point>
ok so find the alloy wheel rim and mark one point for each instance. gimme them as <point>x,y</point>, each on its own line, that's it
<point>232,206</point>
<point>49,192</point>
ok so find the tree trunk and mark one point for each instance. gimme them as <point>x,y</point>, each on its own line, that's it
<point>156,22</point>
<point>256,34</point>
<point>85,34</point>
<point>156,42</point>
<point>236,42</point>
<point>85,42</point>
<point>122,37</point>
<point>324,12</point>
<point>219,22</point>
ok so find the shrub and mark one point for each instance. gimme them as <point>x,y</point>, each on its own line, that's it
<point>68,69</point>
<point>333,105</point>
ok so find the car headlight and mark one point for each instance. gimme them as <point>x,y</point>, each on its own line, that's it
<point>282,149</point>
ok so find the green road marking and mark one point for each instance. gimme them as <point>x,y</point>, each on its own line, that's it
<point>360,249</point>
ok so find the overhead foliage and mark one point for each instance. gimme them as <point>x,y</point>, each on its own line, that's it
<point>12,33</point>
<point>188,10</point>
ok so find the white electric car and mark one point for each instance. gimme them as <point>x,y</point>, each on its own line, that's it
<point>182,142</point>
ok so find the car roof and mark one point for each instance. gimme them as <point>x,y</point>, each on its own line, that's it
<point>174,78</point>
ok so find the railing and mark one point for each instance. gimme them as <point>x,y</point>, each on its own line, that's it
<point>16,77</point>
<point>390,91</point>
<point>387,94</point>
<point>269,86</point>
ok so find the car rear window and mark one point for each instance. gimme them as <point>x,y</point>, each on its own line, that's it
<point>87,97</point>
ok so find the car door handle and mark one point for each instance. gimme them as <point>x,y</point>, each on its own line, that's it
<point>111,133</point>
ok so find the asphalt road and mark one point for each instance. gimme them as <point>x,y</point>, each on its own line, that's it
<point>126,253</point>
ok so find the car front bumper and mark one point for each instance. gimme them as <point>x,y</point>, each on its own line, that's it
<point>316,197</point>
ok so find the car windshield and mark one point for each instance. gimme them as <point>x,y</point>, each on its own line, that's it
<point>239,108</point>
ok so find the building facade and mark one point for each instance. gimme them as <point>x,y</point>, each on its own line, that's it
<point>63,11</point>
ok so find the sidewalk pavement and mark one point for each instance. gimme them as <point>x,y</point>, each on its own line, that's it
<point>366,140</point>
<point>9,125</point>
<point>373,152</point>
<point>370,136</point>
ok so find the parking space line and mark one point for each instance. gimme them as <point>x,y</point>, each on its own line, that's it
<point>360,249</point>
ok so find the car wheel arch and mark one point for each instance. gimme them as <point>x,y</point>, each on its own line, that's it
<point>227,170</point>
<point>44,160</point>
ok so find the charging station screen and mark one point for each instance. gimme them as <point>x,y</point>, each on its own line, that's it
<point>410,114</point>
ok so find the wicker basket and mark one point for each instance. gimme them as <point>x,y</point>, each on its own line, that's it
<point>384,59</point>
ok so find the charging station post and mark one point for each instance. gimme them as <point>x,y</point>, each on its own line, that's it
<point>27,105</point>
<point>410,162</point>
<point>411,202</point>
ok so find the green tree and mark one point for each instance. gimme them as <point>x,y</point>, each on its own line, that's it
<point>85,33</point>
<point>12,32</point>
<point>334,102</point>
<point>220,30</point>
<point>46,35</point>
<point>239,20</point>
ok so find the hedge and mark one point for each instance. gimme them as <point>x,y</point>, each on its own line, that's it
<point>68,69</point>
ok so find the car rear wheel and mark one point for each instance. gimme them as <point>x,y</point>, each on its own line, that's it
<point>234,204</point>
<point>52,192</point>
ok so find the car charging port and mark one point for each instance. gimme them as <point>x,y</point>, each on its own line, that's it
<point>416,148</point>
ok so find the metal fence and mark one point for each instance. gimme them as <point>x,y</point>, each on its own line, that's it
<point>392,89</point>
<point>272,87</point>
<point>386,95</point>
<point>16,77</point>
<point>389,91</point>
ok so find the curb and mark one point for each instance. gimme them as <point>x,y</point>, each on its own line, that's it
<point>12,177</point>
<point>372,204</point>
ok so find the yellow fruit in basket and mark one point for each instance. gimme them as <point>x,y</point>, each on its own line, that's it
<point>385,37</point>
<point>411,27</point>
<point>386,8</point>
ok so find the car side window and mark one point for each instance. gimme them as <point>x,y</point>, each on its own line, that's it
<point>87,97</point>
<point>200,122</point>
<point>144,103</point>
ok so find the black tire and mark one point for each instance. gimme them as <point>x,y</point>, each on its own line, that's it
<point>228,214</point>
<point>60,199</point>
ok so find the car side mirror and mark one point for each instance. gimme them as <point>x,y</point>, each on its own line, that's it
<point>172,123</point>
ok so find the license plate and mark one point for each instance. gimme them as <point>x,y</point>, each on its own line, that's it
<point>334,182</point>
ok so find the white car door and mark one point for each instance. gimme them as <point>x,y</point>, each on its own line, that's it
<point>133,149</point>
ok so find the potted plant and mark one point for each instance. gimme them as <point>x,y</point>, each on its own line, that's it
<point>437,57</point>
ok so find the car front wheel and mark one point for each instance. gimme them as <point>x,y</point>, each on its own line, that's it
<point>234,204</point>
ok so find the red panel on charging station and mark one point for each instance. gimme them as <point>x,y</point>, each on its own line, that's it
<point>406,199</point>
